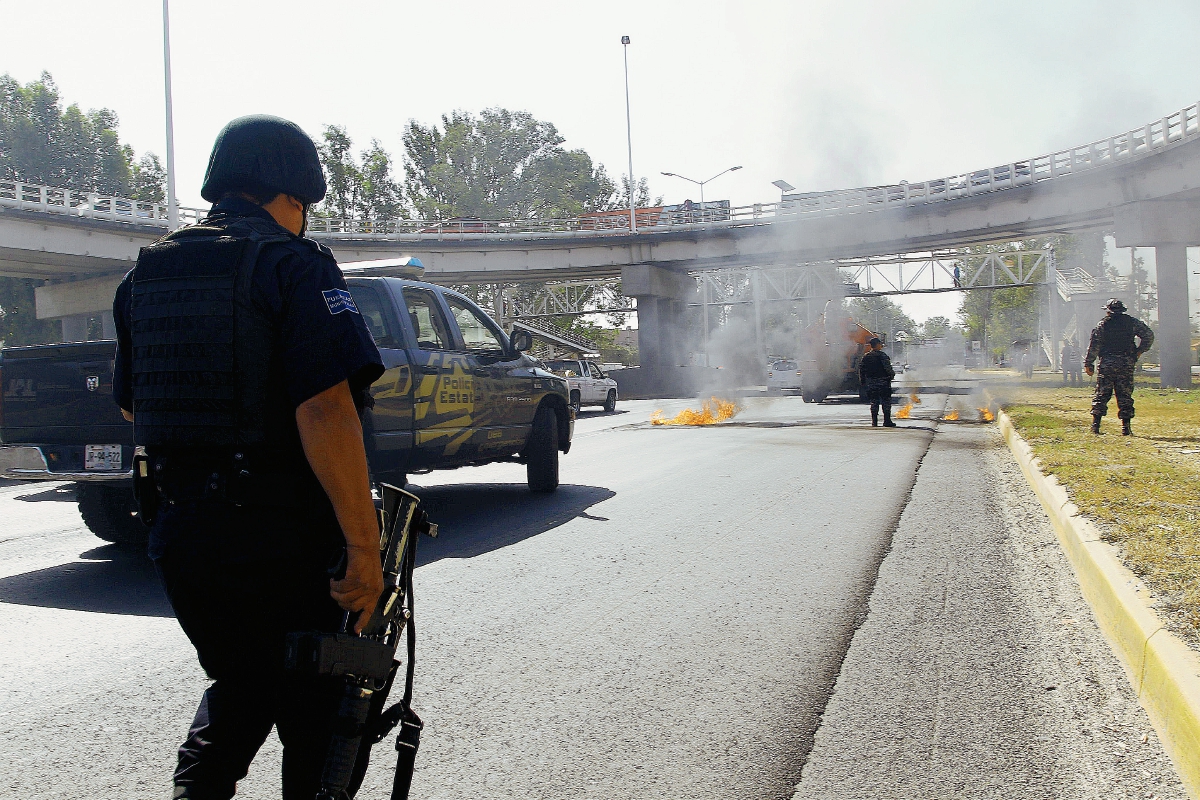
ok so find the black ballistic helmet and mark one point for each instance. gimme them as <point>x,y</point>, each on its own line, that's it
<point>260,154</point>
<point>874,340</point>
<point>1116,306</point>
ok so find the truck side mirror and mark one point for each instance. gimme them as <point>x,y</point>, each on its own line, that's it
<point>521,341</point>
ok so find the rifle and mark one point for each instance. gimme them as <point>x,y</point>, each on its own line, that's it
<point>366,662</point>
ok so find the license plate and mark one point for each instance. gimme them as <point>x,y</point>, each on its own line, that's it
<point>102,456</point>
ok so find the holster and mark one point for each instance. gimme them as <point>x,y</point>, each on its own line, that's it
<point>145,492</point>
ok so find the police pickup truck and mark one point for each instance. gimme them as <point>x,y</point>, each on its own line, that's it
<point>456,392</point>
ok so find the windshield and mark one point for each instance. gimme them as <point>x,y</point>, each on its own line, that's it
<point>568,369</point>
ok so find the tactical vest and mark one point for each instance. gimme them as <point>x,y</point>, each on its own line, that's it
<point>201,349</point>
<point>1116,336</point>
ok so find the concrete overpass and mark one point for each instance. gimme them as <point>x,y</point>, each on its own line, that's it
<point>1144,184</point>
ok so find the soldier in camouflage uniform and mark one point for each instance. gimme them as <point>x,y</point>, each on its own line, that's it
<point>1113,342</point>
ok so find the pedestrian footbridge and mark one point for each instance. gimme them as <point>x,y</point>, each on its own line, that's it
<point>1144,184</point>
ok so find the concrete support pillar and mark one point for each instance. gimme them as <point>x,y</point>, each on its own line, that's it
<point>660,296</point>
<point>1174,336</point>
<point>74,328</point>
<point>1168,226</point>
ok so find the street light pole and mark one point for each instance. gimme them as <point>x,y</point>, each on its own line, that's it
<point>628,137</point>
<point>701,183</point>
<point>172,205</point>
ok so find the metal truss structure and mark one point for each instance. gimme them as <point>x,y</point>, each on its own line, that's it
<point>566,299</point>
<point>874,277</point>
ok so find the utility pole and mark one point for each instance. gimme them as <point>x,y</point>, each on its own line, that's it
<point>628,137</point>
<point>172,205</point>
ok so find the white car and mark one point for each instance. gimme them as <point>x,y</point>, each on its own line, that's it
<point>783,375</point>
<point>588,384</point>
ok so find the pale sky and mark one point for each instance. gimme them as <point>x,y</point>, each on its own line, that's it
<point>824,95</point>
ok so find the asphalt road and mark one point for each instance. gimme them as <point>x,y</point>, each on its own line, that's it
<point>672,623</point>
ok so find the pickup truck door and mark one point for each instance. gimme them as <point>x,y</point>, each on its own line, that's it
<point>587,386</point>
<point>599,383</point>
<point>444,391</point>
<point>388,427</point>
<point>582,382</point>
<point>504,417</point>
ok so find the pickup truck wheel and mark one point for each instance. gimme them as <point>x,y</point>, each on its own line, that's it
<point>111,513</point>
<point>541,454</point>
<point>576,403</point>
<point>610,402</point>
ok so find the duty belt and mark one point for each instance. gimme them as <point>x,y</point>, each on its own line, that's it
<point>177,480</point>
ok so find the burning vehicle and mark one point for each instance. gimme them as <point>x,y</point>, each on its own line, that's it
<point>832,349</point>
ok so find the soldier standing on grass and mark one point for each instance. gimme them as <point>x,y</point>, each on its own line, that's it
<point>1113,342</point>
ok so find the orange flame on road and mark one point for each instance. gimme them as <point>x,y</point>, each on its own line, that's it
<point>951,415</point>
<point>914,400</point>
<point>986,415</point>
<point>904,412</point>
<point>725,409</point>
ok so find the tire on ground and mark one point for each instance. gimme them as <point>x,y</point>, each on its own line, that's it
<point>610,402</point>
<point>541,454</point>
<point>111,513</point>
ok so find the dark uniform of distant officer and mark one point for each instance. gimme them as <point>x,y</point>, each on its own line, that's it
<point>1113,342</point>
<point>244,363</point>
<point>875,373</point>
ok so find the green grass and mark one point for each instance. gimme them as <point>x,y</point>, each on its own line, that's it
<point>1143,491</point>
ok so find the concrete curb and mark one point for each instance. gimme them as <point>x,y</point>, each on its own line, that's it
<point>1163,670</point>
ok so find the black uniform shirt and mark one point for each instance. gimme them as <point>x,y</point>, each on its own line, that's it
<point>875,366</point>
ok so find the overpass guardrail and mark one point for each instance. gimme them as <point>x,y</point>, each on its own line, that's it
<point>1155,135</point>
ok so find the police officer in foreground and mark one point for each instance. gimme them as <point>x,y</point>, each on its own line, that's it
<point>244,366</point>
<point>875,373</point>
<point>1113,342</point>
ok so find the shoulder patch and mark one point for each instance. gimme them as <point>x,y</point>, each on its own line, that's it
<point>339,300</point>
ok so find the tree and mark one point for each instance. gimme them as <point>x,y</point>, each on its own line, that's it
<point>149,180</point>
<point>500,164</point>
<point>935,327</point>
<point>42,143</point>
<point>380,196</point>
<point>366,191</point>
<point>342,176</point>
<point>881,315</point>
<point>18,320</point>
<point>641,199</point>
<point>1145,292</point>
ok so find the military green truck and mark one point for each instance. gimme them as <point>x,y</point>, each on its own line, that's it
<point>456,391</point>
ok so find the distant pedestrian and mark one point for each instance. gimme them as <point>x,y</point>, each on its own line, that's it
<point>875,373</point>
<point>1064,360</point>
<point>957,277</point>
<point>1026,363</point>
<point>1113,342</point>
<point>1076,363</point>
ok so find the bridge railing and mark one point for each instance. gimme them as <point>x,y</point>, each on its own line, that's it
<point>1172,128</point>
<point>35,197</point>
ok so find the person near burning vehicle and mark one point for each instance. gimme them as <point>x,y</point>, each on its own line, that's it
<point>875,374</point>
<point>244,365</point>
<point>1113,343</point>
